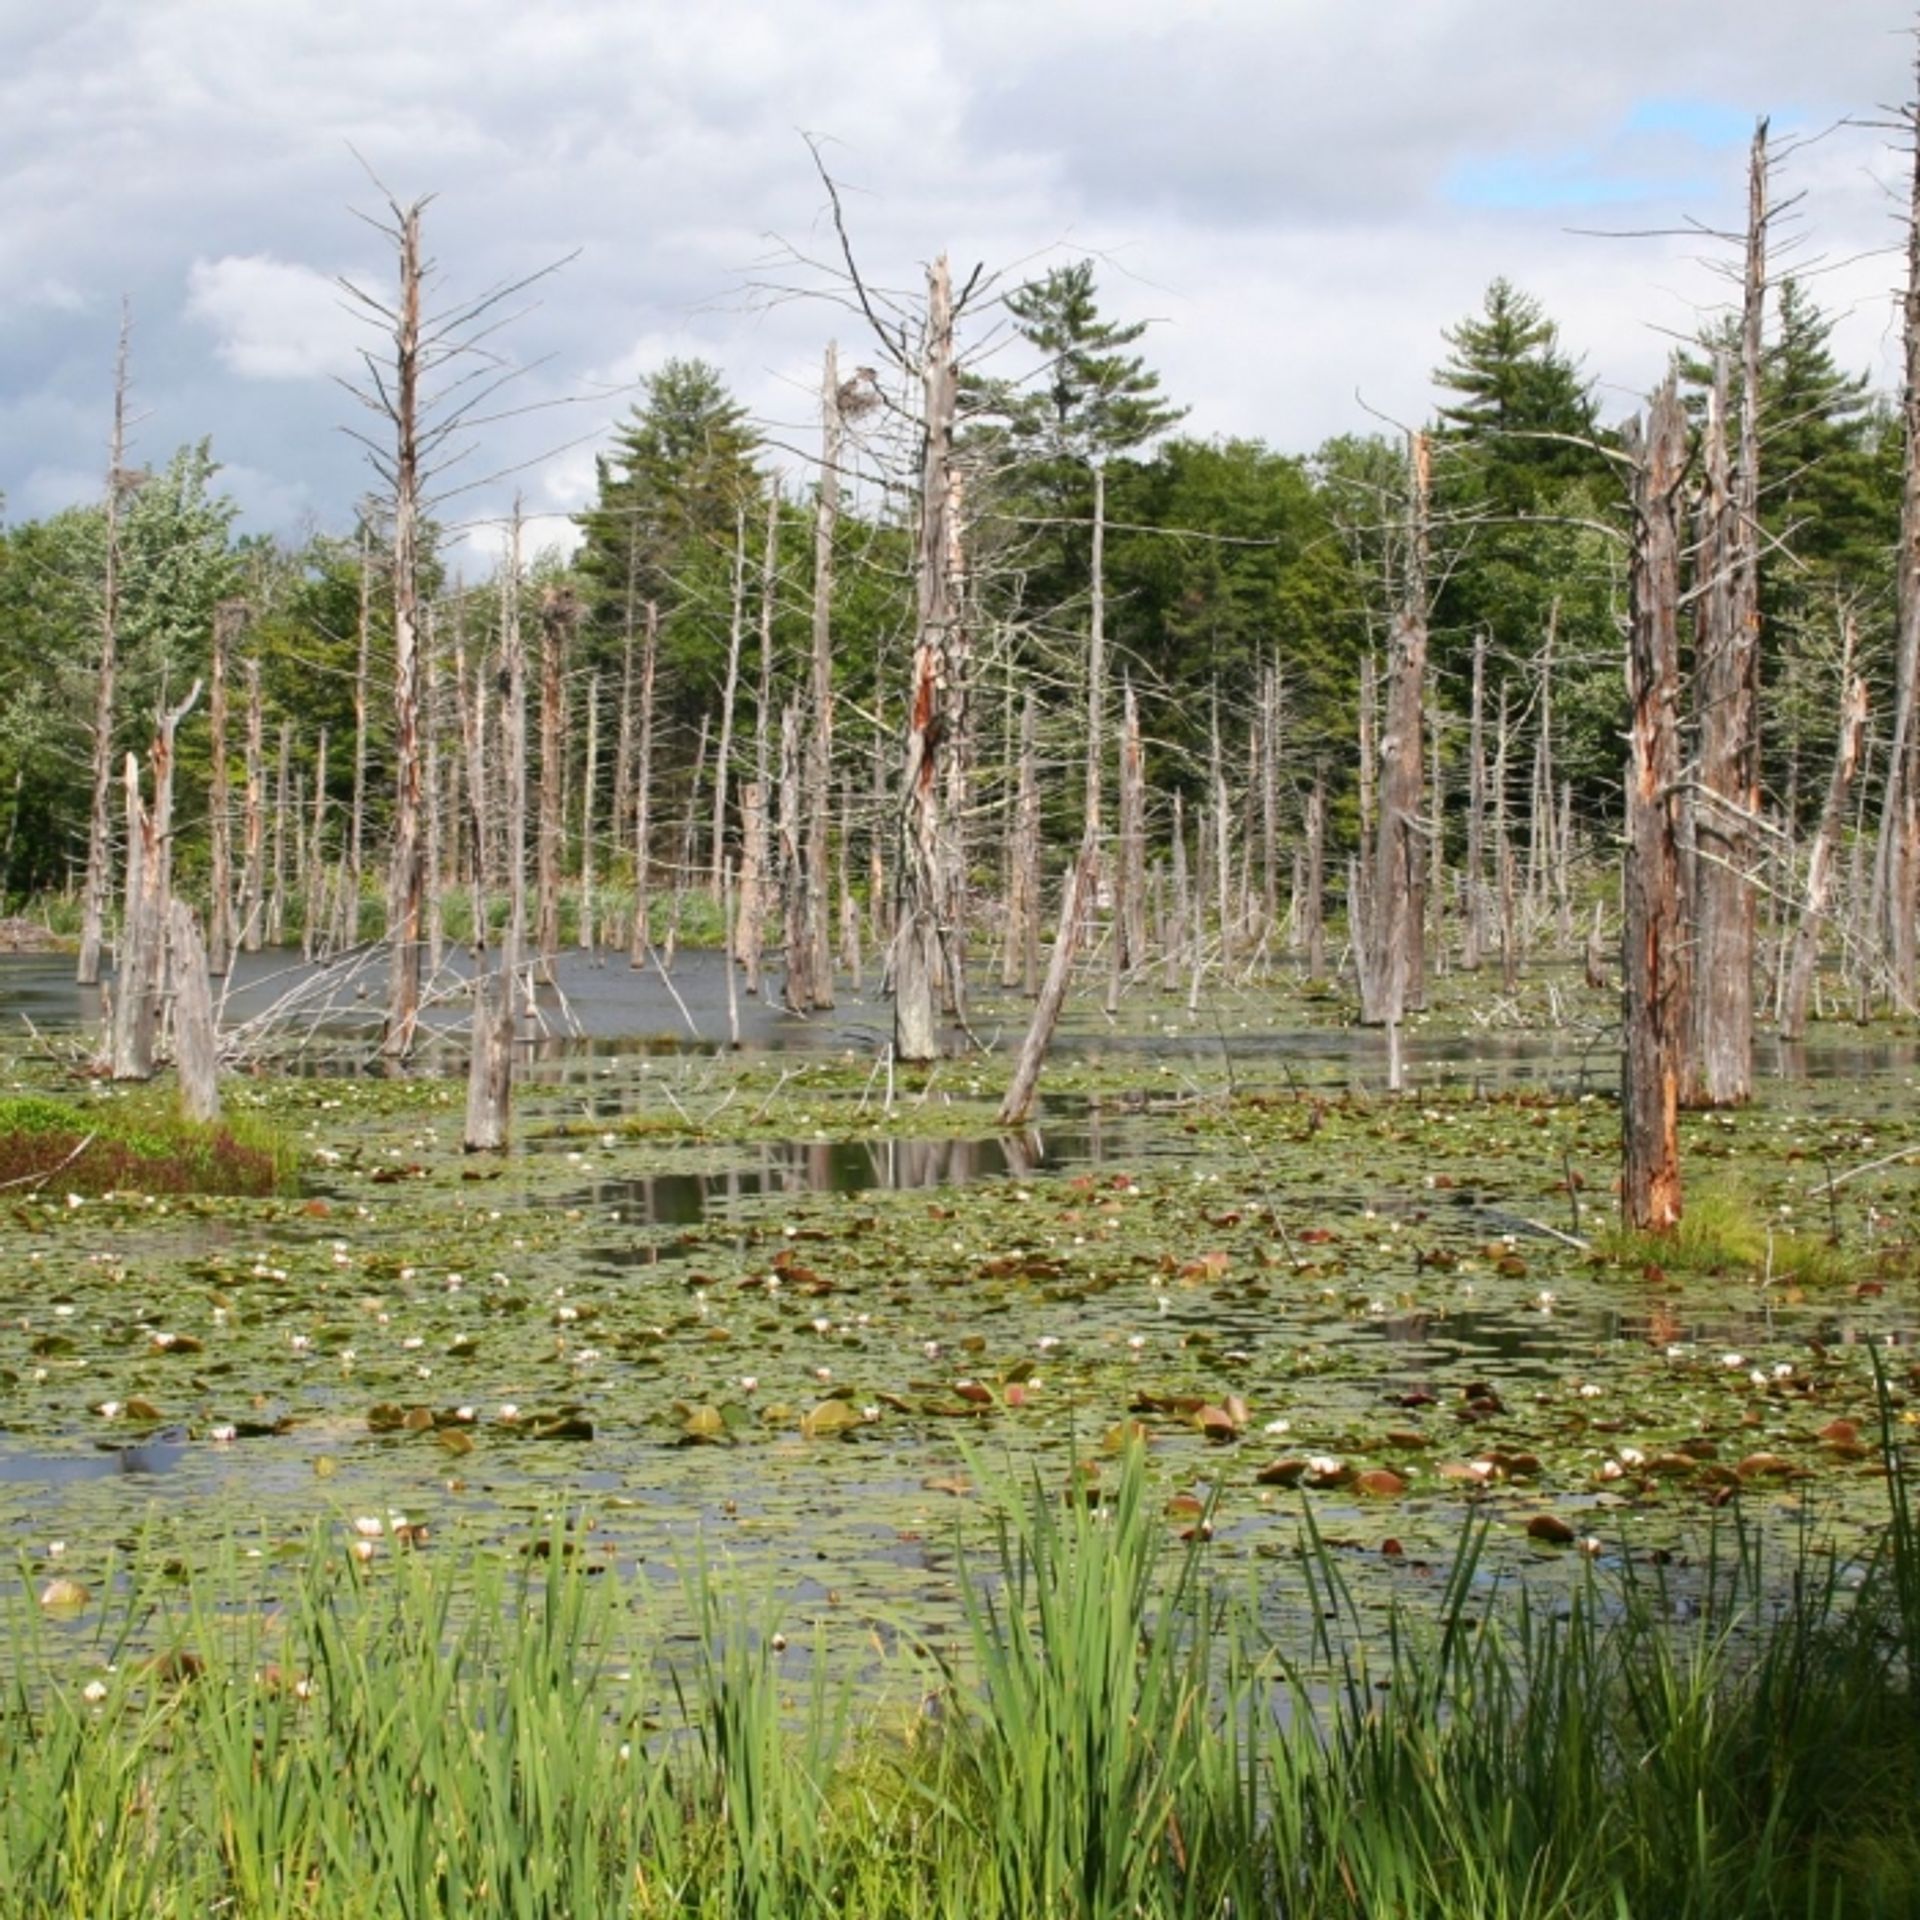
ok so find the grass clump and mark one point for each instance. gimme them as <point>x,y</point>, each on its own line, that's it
<point>1726,1234</point>
<point>137,1144</point>
<point>1116,1736</point>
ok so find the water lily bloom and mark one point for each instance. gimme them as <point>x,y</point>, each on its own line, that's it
<point>1731,1361</point>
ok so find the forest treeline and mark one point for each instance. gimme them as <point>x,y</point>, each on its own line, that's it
<point>863,706</point>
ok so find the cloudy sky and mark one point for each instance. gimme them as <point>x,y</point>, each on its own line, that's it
<point>1299,194</point>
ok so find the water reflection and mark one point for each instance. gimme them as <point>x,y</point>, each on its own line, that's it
<point>810,1166</point>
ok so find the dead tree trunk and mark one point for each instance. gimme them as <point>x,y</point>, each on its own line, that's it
<point>140,970</point>
<point>819,741</point>
<point>1728,679</point>
<point>1653,1010</point>
<point>1820,858</point>
<point>276,928</point>
<point>1313,931</point>
<point>590,780</point>
<point>1896,867</point>
<point>1017,1107</point>
<point>1395,918</point>
<point>314,901</point>
<point>1474,933</point>
<point>406,868</point>
<point>643,787</point>
<point>729,694</point>
<point>362,693</point>
<point>1130,865</point>
<point>559,617</point>
<point>1020,960</point>
<point>99,876</point>
<point>796,921</point>
<point>196,1053</point>
<point>253,820</point>
<point>919,945</point>
<point>495,1016</point>
<point>229,617</point>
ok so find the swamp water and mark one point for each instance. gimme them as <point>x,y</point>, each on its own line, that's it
<point>773,1308</point>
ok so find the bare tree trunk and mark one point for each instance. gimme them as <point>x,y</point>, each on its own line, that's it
<point>1314,932</point>
<point>99,877</point>
<point>1503,851</point>
<point>1654,1011</point>
<point>729,693</point>
<point>196,1055</point>
<point>1020,960</point>
<point>559,617</point>
<point>819,741</point>
<point>1179,932</point>
<point>253,820</point>
<point>362,694</point>
<point>1395,914</point>
<point>1826,841</point>
<point>140,972</point>
<point>1728,679</point>
<point>490,1066</point>
<point>1896,870</point>
<point>589,783</point>
<point>229,618</point>
<point>276,930</point>
<point>1272,728</point>
<point>1130,868</point>
<point>796,920</point>
<point>1474,935</point>
<point>643,788</point>
<point>919,951</point>
<point>1017,1106</point>
<point>406,870</point>
<point>316,889</point>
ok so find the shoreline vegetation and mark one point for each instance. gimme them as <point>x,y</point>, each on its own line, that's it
<point>1113,1732</point>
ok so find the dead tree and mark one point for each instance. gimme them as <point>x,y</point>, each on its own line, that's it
<point>589,784</point>
<point>196,1054</point>
<point>1820,857</point>
<point>1390,977</point>
<point>1474,930</point>
<point>140,969</point>
<point>1727,675</point>
<point>253,819</point>
<point>637,949</point>
<point>229,618</point>
<point>495,1015</point>
<point>834,402</point>
<point>349,931</point>
<point>1896,867</point>
<point>920,958</point>
<point>1653,1010</point>
<point>559,619</point>
<point>729,694</point>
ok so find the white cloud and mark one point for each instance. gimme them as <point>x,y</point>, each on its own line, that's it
<point>275,319</point>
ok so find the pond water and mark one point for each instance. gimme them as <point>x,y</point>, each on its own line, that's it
<point>638,1316</point>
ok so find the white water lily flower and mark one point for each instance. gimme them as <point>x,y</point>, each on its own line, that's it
<point>1324,1463</point>
<point>1732,1361</point>
<point>1278,1426</point>
<point>1633,1457</point>
<point>1611,1470</point>
<point>369,1526</point>
<point>222,1434</point>
<point>1783,1370</point>
<point>94,1692</point>
<point>1589,1391</point>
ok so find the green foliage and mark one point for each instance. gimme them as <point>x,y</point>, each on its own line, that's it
<point>433,1739</point>
<point>137,1143</point>
<point>1723,1231</point>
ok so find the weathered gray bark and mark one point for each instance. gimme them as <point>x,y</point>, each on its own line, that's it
<point>196,1052</point>
<point>229,618</point>
<point>1896,868</point>
<point>796,920</point>
<point>98,883</point>
<point>276,927</point>
<point>559,618</point>
<point>1798,989</point>
<point>495,1016</point>
<point>919,956</point>
<point>1017,1106</point>
<point>729,693</point>
<point>406,866</point>
<point>314,902</point>
<point>643,788</point>
<point>819,741</point>
<point>1727,676</point>
<point>1313,931</point>
<point>362,695</point>
<point>1653,1010</point>
<point>1020,959</point>
<point>253,820</point>
<point>589,783</point>
<point>1390,980</point>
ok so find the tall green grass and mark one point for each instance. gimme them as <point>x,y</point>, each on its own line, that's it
<point>1117,1735</point>
<point>138,1142</point>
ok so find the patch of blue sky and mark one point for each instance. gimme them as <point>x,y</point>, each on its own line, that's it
<point>1523,182</point>
<point>1708,123</point>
